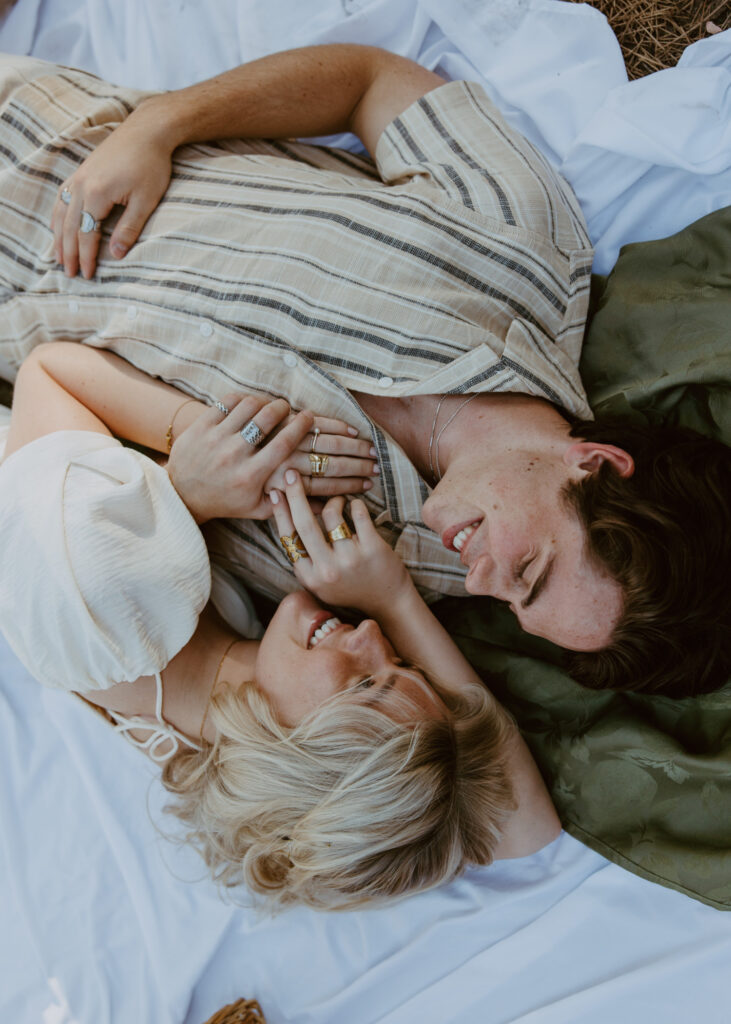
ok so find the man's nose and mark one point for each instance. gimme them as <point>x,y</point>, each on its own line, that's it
<point>483,577</point>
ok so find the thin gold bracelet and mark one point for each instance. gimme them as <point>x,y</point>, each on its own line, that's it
<point>169,431</point>
<point>215,683</point>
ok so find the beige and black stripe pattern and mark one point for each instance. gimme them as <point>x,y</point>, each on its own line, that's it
<point>459,263</point>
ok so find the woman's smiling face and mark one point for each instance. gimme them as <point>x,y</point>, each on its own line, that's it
<point>307,656</point>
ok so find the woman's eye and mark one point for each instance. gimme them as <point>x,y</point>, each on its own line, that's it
<point>365,683</point>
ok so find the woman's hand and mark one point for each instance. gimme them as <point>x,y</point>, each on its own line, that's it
<point>360,571</point>
<point>130,168</point>
<point>346,463</point>
<point>218,473</point>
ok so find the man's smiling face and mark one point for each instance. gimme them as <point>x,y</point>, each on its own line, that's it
<point>506,515</point>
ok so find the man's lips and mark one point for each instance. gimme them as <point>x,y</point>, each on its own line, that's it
<point>451,532</point>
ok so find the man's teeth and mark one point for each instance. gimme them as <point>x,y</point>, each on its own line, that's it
<point>324,629</point>
<point>460,538</point>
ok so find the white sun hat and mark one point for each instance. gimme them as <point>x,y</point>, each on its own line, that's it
<point>104,572</point>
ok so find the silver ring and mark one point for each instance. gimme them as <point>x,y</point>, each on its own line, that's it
<point>252,434</point>
<point>221,408</point>
<point>88,223</point>
<point>65,196</point>
<point>315,435</point>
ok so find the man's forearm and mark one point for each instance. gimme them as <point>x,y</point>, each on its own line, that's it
<point>315,90</point>
<point>311,91</point>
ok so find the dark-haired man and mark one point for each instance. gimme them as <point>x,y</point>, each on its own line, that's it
<point>438,299</point>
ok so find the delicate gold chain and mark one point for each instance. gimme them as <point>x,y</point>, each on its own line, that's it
<point>434,444</point>
<point>213,687</point>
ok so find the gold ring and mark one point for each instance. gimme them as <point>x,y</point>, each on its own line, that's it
<point>318,464</point>
<point>315,435</point>
<point>294,547</point>
<point>341,532</point>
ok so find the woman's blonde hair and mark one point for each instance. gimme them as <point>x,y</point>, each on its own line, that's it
<point>350,806</point>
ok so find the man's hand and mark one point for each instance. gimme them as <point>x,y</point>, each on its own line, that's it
<point>318,90</point>
<point>131,168</point>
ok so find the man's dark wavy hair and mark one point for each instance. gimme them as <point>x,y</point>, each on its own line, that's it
<point>664,534</point>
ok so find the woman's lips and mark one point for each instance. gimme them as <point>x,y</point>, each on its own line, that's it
<point>318,623</point>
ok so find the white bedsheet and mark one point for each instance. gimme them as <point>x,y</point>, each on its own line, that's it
<point>102,920</point>
<point>645,158</point>
<point>105,921</point>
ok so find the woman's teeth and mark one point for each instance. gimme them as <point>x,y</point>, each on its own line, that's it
<point>460,538</point>
<point>323,630</point>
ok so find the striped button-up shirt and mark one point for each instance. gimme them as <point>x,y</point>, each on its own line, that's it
<point>457,261</point>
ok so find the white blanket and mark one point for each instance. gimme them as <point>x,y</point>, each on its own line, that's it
<point>645,158</point>
<point>102,919</point>
<point>106,922</point>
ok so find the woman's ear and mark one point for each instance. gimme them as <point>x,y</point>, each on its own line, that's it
<point>590,455</point>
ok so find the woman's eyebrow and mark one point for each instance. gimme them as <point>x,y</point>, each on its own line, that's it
<point>376,696</point>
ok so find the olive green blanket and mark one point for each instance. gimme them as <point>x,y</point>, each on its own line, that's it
<point>646,781</point>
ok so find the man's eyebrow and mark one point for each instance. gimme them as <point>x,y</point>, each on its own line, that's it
<point>539,584</point>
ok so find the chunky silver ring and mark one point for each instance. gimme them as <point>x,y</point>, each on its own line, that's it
<point>88,223</point>
<point>65,196</point>
<point>252,434</point>
<point>221,408</point>
<point>315,435</point>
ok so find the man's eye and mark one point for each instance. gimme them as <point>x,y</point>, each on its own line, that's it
<point>523,566</point>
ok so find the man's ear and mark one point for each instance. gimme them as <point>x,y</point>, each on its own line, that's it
<point>590,455</point>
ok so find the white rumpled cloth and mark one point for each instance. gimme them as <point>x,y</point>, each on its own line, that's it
<point>106,922</point>
<point>104,570</point>
<point>645,158</point>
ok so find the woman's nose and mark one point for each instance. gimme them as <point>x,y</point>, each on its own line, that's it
<point>368,637</point>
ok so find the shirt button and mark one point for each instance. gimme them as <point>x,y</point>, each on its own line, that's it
<point>131,312</point>
<point>385,382</point>
<point>73,306</point>
<point>290,359</point>
<point>206,330</point>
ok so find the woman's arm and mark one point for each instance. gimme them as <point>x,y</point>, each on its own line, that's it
<point>68,386</point>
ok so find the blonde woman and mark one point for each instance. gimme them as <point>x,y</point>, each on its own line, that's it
<point>317,764</point>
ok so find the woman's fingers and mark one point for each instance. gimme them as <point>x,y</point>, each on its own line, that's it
<point>329,425</point>
<point>325,487</point>
<point>255,418</point>
<point>324,466</point>
<point>332,513</point>
<point>362,521</point>
<point>303,517</point>
<point>336,444</point>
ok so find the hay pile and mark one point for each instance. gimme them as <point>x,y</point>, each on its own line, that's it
<point>654,33</point>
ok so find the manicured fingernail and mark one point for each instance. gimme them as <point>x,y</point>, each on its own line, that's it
<point>290,476</point>
<point>367,484</point>
<point>274,497</point>
<point>372,451</point>
<point>118,250</point>
<point>376,468</point>
<point>352,431</point>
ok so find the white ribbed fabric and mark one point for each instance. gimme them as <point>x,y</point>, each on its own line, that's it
<point>104,571</point>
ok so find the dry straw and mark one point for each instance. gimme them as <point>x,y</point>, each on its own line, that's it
<point>654,33</point>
